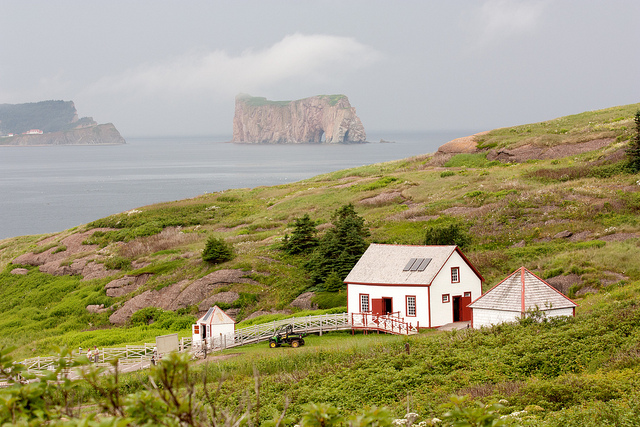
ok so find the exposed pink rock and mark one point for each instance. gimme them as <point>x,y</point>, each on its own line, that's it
<point>180,295</point>
<point>125,285</point>
<point>310,120</point>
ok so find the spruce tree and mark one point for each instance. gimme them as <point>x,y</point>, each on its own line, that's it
<point>341,246</point>
<point>633,151</point>
<point>217,251</point>
<point>303,238</point>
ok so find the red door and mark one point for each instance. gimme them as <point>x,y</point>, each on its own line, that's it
<point>465,312</point>
<point>377,306</point>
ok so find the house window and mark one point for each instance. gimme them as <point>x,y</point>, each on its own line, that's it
<point>445,298</point>
<point>455,274</point>
<point>467,294</point>
<point>411,305</point>
<point>364,303</point>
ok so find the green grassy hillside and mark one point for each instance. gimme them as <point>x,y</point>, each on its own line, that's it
<point>572,220</point>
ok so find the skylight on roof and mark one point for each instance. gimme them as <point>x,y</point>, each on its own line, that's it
<point>417,264</point>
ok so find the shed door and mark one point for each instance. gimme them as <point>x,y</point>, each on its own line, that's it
<point>377,306</point>
<point>465,311</point>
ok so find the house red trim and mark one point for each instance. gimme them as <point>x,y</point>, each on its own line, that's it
<point>457,270</point>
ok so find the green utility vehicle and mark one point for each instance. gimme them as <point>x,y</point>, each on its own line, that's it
<point>285,335</point>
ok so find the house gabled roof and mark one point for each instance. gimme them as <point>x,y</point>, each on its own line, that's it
<point>521,291</point>
<point>215,316</point>
<point>402,264</point>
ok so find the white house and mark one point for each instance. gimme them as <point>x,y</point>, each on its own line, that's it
<point>427,286</point>
<point>521,291</point>
<point>214,329</point>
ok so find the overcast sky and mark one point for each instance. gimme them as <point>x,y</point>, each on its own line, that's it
<point>174,67</point>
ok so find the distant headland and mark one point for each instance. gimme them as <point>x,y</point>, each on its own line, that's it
<point>52,123</point>
<point>319,119</point>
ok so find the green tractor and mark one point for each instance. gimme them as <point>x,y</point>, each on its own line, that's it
<point>285,335</point>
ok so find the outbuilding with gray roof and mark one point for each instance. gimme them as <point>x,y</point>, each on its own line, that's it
<point>520,293</point>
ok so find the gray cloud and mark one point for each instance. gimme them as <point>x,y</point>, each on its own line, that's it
<point>313,58</point>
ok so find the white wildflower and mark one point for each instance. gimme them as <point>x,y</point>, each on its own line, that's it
<point>435,420</point>
<point>399,422</point>
<point>503,401</point>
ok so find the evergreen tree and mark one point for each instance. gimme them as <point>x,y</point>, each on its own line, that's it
<point>333,283</point>
<point>303,239</point>
<point>341,246</point>
<point>633,151</point>
<point>217,251</point>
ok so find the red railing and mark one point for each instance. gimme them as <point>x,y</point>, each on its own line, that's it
<point>390,322</point>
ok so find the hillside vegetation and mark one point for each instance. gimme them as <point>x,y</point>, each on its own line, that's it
<point>570,216</point>
<point>572,220</point>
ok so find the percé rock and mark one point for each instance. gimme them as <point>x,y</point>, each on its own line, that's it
<point>324,118</point>
<point>52,123</point>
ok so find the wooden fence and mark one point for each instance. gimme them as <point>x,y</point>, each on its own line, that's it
<point>391,323</point>
<point>132,354</point>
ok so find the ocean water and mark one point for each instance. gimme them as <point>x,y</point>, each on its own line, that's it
<point>49,189</point>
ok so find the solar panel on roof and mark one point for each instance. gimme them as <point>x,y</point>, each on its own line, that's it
<point>409,264</point>
<point>423,264</point>
<point>417,264</point>
<point>209,313</point>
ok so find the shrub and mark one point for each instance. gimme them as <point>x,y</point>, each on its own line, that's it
<point>327,300</point>
<point>117,263</point>
<point>145,316</point>
<point>446,174</point>
<point>447,234</point>
<point>217,251</point>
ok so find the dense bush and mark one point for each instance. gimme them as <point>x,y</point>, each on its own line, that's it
<point>447,234</point>
<point>217,251</point>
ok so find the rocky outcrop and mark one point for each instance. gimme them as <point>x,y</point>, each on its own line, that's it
<point>320,119</point>
<point>106,134</point>
<point>184,294</point>
<point>68,256</point>
<point>52,123</point>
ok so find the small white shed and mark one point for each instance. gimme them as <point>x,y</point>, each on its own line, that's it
<point>521,291</point>
<point>215,326</point>
<point>425,286</point>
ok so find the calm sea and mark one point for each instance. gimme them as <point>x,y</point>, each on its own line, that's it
<point>49,189</point>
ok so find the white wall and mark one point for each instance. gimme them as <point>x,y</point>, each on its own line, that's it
<point>442,313</point>
<point>484,317</point>
<point>398,295</point>
<point>224,329</point>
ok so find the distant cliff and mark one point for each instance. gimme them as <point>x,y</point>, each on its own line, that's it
<point>52,123</point>
<point>319,119</point>
<point>105,134</point>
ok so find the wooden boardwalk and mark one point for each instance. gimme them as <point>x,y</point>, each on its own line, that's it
<point>132,357</point>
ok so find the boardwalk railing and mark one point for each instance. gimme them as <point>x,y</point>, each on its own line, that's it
<point>391,323</point>
<point>264,331</point>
